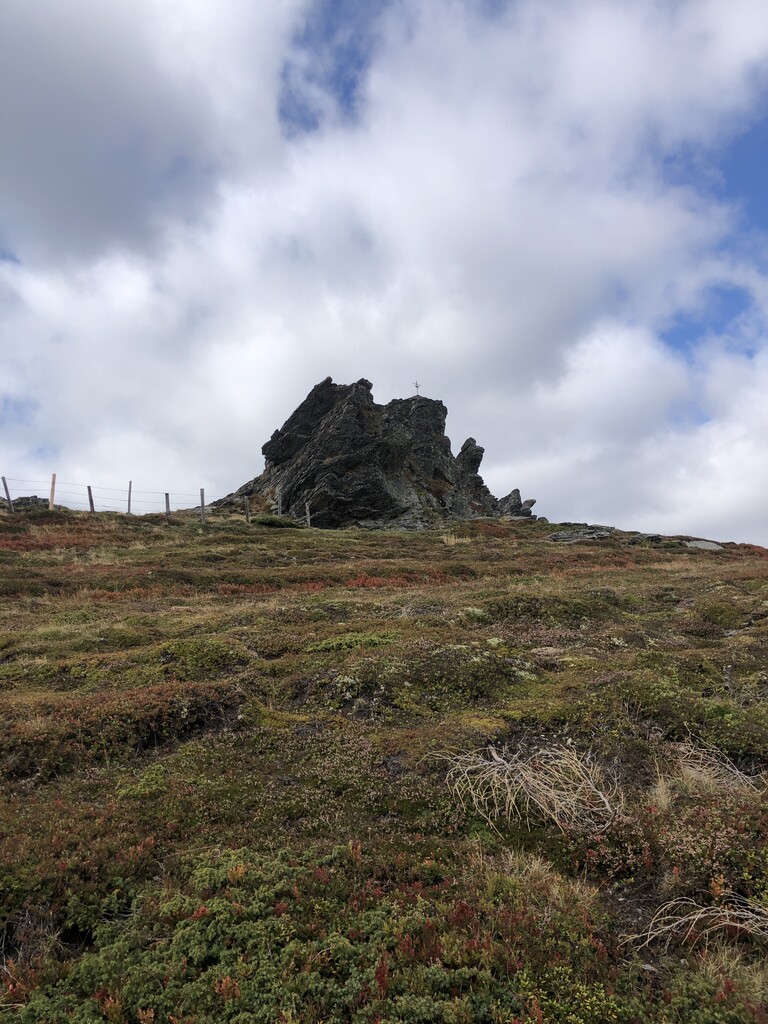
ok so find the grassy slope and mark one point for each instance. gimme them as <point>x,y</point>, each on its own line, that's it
<point>218,801</point>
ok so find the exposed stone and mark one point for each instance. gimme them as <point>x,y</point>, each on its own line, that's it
<point>26,502</point>
<point>704,545</point>
<point>511,504</point>
<point>356,462</point>
<point>470,457</point>
<point>582,532</point>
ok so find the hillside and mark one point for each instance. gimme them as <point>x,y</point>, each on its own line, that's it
<point>262,774</point>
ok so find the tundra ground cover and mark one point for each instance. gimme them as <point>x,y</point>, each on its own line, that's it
<point>200,723</point>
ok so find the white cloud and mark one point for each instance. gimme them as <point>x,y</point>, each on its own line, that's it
<point>119,117</point>
<point>500,219</point>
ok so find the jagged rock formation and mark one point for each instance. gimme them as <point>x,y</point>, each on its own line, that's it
<point>356,462</point>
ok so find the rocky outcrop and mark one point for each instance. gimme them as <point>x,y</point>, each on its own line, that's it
<point>27,502</point>
<point>512,505</point>
<point>355,462</point>
<point>579,532</point>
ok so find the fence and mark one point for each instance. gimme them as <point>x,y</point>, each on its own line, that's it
<point>106,499</point>
<point>116,499</point>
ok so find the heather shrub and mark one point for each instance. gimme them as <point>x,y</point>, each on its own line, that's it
<point>333,937</point>
<point>171,692</point>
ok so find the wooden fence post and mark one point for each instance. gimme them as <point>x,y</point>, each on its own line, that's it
<point>130,488</point>
<point>167,506</point>
<point>306,509</point>
<point>247,510</point>
<point>90,499</point>
<point>8,496</point>
<point>202,506</point>
<point>53,491</point>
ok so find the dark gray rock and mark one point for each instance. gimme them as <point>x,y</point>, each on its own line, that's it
<point>27,502</point>
<point>512,507</point>
<point>582,532</point>
<point>469,458</point>
<point>356,462</point>
<point>511,504</point>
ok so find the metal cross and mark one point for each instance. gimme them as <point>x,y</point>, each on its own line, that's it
<point>417,386</point>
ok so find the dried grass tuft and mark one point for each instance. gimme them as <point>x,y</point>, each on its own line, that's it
<point>660,794</point>
<point>452,539</point>
<point>685,920</point>
<point>706,767</point>
<point>721,962</point>
<point>557,783</point>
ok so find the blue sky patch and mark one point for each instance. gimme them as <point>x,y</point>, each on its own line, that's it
<point>723,305</point>
<point>744,174</point>
<point>331,56</point>
<point>15,411</point>
<point>46,451</point>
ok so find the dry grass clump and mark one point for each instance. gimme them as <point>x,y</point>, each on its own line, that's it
<point>689,768</point>
<point>723,963</point>
<point>706,767</point>
<point>544,887</point>
<point>452,539</point>
<point>683,919</point>
<point>661,794</point>
<point>557,783</point>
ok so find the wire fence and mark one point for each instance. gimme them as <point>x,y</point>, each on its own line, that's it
<point>89,498</point>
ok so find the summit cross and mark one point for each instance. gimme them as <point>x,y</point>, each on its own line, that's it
<point>417,386</point>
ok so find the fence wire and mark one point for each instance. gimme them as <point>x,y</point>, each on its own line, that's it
<point>105,499</point>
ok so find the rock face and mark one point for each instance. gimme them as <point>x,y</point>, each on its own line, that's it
<point>356,462</point>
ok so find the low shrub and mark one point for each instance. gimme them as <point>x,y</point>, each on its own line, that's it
<point>76,731</point>
<point>202,657</point>
<point>278,522</point>
<point>339,937</point>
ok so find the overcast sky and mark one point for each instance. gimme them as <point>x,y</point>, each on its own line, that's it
<point>552,213</point>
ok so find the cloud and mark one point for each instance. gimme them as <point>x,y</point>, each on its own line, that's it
<point>118,118</point>
<point>511,202</point>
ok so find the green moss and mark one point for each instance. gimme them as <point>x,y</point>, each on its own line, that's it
<point>350,641</point>
<point>727,616</point>
<point>202,657</point>
<point>151,782</point>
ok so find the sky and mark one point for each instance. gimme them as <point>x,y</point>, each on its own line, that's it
<point>551,213</point>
